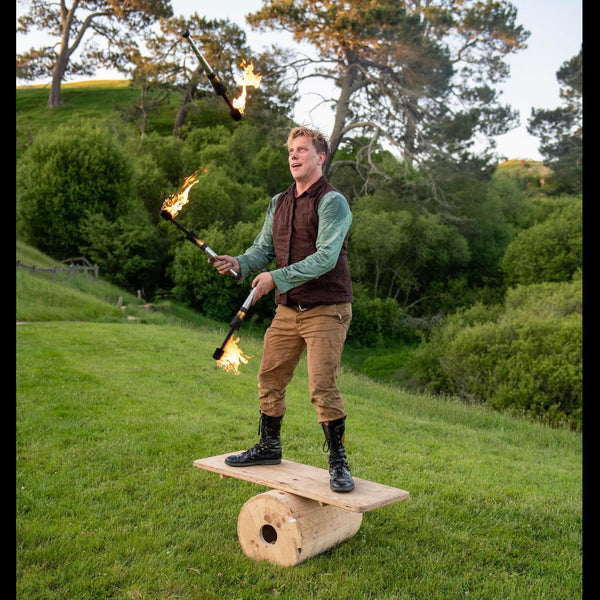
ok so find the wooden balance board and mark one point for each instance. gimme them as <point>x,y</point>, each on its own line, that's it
<point>300,516</point>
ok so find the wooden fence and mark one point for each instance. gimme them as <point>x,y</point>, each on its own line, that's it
<point>71,269</point>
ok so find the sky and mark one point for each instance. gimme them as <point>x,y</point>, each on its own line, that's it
<point>556,36</point>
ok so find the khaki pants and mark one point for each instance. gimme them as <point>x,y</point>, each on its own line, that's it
<point>322,332</point>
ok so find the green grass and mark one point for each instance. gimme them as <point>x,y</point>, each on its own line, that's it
<point>112,412</point>
<point>109,98</point>
<point>33,112</point>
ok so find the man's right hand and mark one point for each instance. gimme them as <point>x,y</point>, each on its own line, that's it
<point>223,263</point>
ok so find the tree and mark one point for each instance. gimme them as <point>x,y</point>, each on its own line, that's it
<point>397,254</point>
<point>171,64</point>
<point>560,130</point>
<point>415,75</point>
<point>87,20</point>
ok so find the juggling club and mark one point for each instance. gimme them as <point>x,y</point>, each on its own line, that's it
<point>235,324</point>
<point>217,84</point>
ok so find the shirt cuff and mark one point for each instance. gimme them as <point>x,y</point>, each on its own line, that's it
<point>280,282</point>
<point>244,267</point>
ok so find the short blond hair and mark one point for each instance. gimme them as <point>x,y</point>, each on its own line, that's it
<point>318,139</point>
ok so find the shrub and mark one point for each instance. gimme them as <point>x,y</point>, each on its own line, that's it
<point>65,175</point>
<point>548,251</point>
<point>199,285</point>
<point>129,251</point>
<point>524,357</point>
<point>377,321</point>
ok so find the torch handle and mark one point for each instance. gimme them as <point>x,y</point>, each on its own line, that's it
<point>217,84</point>
<point>192,237</point>
<point>205,65</point>
<point>248,300</point>
<point>236,322</point>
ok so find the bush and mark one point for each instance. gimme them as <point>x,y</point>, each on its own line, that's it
<point>531,368</point>
<point>129,251</point>
<point>377,321</point>
<point>199,285</point>
<point>524,357</point>
<point>548,251</point>
<point>65,175</point>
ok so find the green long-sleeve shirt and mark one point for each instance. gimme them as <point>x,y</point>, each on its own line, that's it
<point>335,218</point>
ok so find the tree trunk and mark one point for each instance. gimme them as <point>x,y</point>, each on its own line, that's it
<point>55,98</point>
<point>342,108</point>
<point>187,96</point>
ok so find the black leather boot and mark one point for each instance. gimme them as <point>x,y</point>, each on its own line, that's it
<point>340,478</point>
<point>268,449</point>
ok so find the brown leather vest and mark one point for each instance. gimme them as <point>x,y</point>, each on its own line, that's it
<point>295,228</point>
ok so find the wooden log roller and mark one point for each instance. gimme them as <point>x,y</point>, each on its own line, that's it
<point>300,516</point>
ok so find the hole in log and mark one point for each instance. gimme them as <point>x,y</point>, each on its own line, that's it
<point>268,534</point>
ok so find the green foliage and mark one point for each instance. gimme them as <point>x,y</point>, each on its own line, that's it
<point>129,250</point>
<point>64,176</point>
<point>198,283</point>
<point>169,155</point>
<point>560,129</point>
<point>219,198</point>
<point>525,357</point>
<point>548,251</point>
<point>490,214</point>
<point>378,321</point>
<point>248,155</point>
<point>395,254</point>
<point>150,182</point>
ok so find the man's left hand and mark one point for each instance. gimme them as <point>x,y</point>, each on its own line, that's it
<point>263,283</point>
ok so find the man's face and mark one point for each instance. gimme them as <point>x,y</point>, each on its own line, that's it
<point>305,163</point>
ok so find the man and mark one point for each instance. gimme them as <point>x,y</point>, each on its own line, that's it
<point>306,232</point>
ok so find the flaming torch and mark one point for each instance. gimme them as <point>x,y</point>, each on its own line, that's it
<point>173,205</point>
<point>228,354</point>
<point>217,84</point>
<point>249,78</point>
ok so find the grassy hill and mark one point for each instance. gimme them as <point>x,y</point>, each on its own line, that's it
<point>87,99</point>
<point>114,405</point>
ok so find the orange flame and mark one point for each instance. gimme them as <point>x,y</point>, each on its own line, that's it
<point>232,357</point>
<point>249,78</point>
<point>175,202</point>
